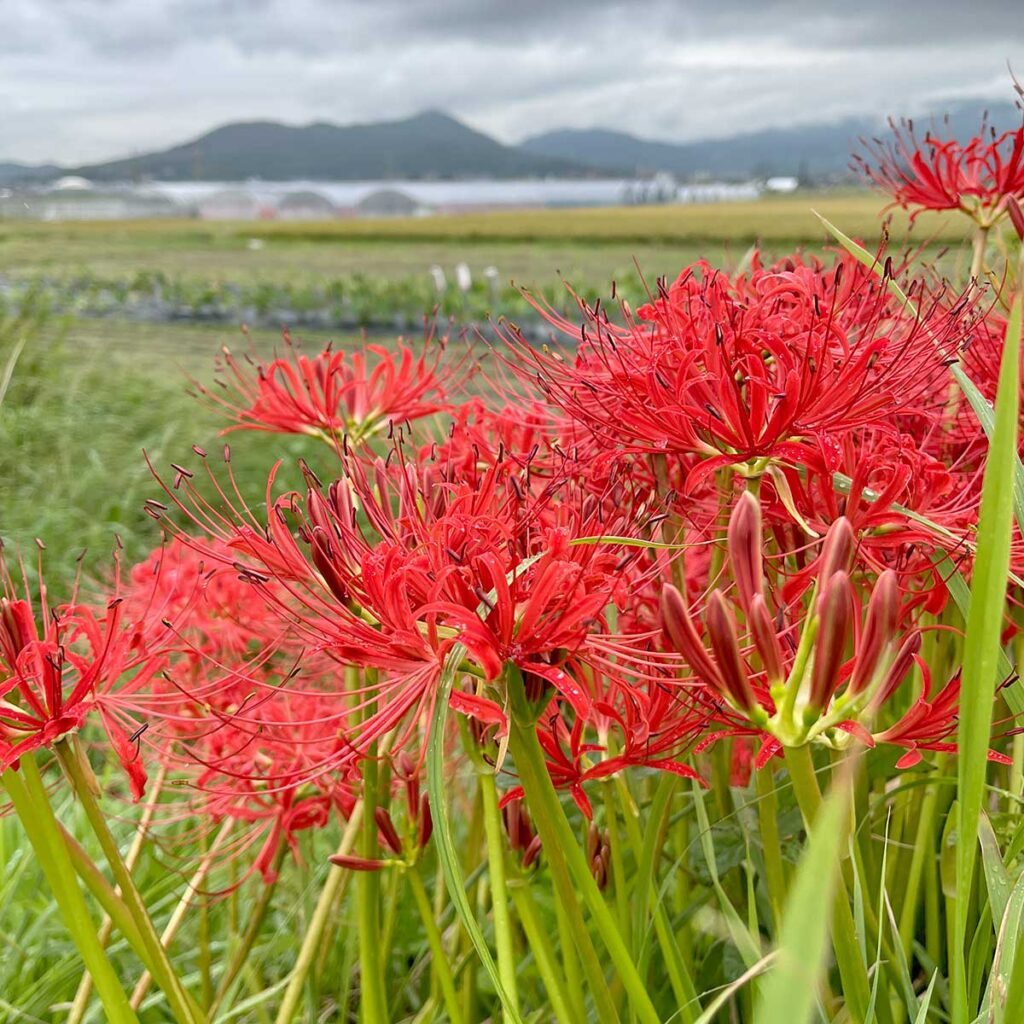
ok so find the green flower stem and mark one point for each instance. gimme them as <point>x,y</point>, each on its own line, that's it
<point>373,1002</point>
<point>557,839</point>
<point>499,888</point>
<point>177,918</point>
<point>82,996</point>
<point>924,851</point>
<point>1017,770</point>
<point>543,954</point>
<point>620,885</point>
<point>113,906</point>
<point>978,246</point>
<point>471,853</point>
<point>390,905</point>
<point>336,878</point>
<point>648,853</point>
<point>73,760</point>
<point>25,788</point>
<point>676,967</point>
<point>569,864</point>
<point>438,904</point>
<point>249,936</point>
<point>106,896</point>
<point>203,958</point>
<point>571,966</point>
<point>856,986</point>
<point>1016,784</point>
<point>439,965</point>
<point>721,770</point>
<point>771,841</point>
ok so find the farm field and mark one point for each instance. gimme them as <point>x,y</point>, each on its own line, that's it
<point>787,220</point>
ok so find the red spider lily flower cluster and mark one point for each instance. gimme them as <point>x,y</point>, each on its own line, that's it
<point>63,666</point>
<point>935,173</point>
<point>335,392</point>
<point>748,372</point>
<point>396,566</point>
<point>727,518</point>
<point>574,536</point>
<point>826,676</point>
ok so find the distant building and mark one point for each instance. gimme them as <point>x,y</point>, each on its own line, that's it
<point>662,188</point>
<point>389,202</point>
<point>72,183</point>
<point>718,192</point>
<point>232,204</point>
<point>782,183</point>
<point>306,205</point>
<point>74,202</point>
<point>658,189</point>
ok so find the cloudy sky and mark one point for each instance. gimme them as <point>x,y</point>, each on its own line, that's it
<point>84,80</point>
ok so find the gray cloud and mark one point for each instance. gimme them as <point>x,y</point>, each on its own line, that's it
<point>83,80</point>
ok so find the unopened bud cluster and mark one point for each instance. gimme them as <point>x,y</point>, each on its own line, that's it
<point>818,679</point>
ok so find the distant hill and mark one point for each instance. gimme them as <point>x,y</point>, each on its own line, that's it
<point>16,174</point>
<point>434,145</point>
<point>429,145</point>
<point>816,151</point>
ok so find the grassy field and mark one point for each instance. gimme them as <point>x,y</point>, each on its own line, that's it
<point>530,247</point>
<point>784,221</point>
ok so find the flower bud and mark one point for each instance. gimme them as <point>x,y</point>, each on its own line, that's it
<point>744,538</point>
<point>682,635</point>
<point>17,628</point>
<point>357,863</point>
<point>388,832</point>
<point>766,640</point>
<point>722,635</point>
<point>322,552</point>
<point>426,823</point>
<point>879,630</point>
<point>512,817</point>
<point>1016,216</point>
<point>898,670</point>
<point>531,851</point>
<point>837,550</point>
<point>835,612</point>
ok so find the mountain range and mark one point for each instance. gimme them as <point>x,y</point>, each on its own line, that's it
<point>817,151</point>
<point>434,145</point>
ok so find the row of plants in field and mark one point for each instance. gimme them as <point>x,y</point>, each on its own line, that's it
<point>357,300</point>
<point>669,674</point>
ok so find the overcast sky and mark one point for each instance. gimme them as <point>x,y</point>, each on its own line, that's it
<point>84,80</point>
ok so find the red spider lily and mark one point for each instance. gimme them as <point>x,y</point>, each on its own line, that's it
<point>429,563</point>
<point>905,506</point>
<point>220,613</point>
<point>249,750</point>
<point>333,393</point>
<point>936,173</point>
<point>770,366</point>
<point>929,722</point>
<point>66,666</point>
<point>647,722</point>
<point>525,434</point>
<point>795,683</point>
